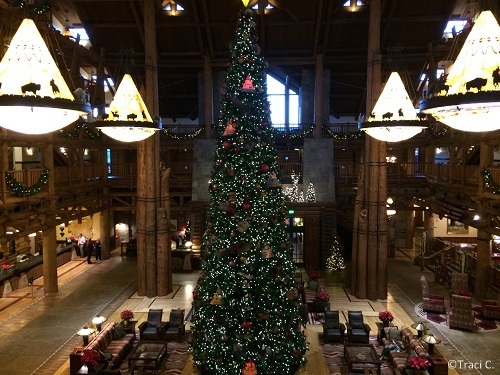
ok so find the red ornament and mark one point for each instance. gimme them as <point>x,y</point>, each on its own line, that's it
<point>219,164</point>
<point>246,206</point>
<point>236,149</point>
<point>264,168</point>
<point>246,325</point>
<point>227,144</point>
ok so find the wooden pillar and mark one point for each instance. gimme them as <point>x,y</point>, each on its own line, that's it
<point>208,96</point>
<point>164,240</point>
<point>318,96</point>
<point>369,261</point>
<point>49,235</point>
<point>104,230</point>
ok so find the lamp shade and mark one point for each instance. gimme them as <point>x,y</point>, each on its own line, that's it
<point>469,97</point>
<point>393,118</point>
<point>431,339</point>
<point>34,98</point>
<point>128,119</point>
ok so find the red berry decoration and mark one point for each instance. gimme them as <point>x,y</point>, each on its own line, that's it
<point>246,206</point>
<point>264,168</point>
<point>246,325</point>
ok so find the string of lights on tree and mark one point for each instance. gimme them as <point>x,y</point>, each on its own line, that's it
<point>31,9</point>
<point>178,136</point>
<point>341,136</point>
<point>488,182</point>
<point>335,261</point>
<point>26,191</point>
<point>73,131</point>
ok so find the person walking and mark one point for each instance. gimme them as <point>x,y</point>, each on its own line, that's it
<point>81,244</point>
<point>90,250</point>
<point>97,249</point>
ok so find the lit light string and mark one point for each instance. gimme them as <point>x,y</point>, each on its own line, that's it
<point>341,136</point>
<point>73,132</point>
<point>178,136</point>
<point>26,191</point>
<point>294,133</point>
<point>437,133</point>
<point>488,182</point>
<point>31,10</point>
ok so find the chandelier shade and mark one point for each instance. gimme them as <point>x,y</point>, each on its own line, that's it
<point>34,97</point>
<point>128,119</point>
<point>393,119</point>
<point>468,97</point>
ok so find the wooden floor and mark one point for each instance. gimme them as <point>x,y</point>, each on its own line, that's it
<point>181,297</point>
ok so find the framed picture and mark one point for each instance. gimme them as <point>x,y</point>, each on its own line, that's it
<point>456,227</point>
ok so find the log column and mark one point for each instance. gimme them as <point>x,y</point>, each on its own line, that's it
<point>369,261</point>
<point>318,97</point>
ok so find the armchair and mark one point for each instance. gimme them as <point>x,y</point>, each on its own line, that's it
<point>459,281</point>
<point>333,330</point>
<point>490,309</point>
<point>153,329</point>
<point>431,302</point>
<point>175,328</point>
<point>461,314</point>
<point>357,330</point>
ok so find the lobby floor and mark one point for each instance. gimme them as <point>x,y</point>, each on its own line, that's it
<point>38,332</point>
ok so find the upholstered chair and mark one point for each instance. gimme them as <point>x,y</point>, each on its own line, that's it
<point>175,328</point>
<point>357,330</point>
<point>153,329</point>
<point>333,330</point>
<point>431,302</point>
<point>461,314</point>
<point>490,309</point>
<point>459,281</point>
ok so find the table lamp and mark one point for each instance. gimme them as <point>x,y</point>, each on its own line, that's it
<point>98,320</point>
<point>431,340</point>
<point>420,327</point>
<point>85,332</point>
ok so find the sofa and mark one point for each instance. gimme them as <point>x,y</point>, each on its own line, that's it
<point>112,342</point>
<point>412,346</point>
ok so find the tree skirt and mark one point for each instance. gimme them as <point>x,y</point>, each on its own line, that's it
<point>483,324</point>
<point>334,358</point>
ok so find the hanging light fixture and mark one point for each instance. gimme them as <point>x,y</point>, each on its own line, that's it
<point>468,98</point>
<point>34,98</point>
<point>128,119</point>
<point>393,118</point>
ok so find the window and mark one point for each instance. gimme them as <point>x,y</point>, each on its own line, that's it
<point>276,93</point>
<point>108,159</point>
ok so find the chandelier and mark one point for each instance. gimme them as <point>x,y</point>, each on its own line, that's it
<point>34,98</point>
<point>468,98</point>
<point>393,118</point>
<point>128,119</point>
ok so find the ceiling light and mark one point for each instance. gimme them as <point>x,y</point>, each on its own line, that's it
<point>34,98</point>
<point>128,119</point>
<point>393,118</point>
<point>469,97</point>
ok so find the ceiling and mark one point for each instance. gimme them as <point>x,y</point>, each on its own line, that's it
<point>292,35</point>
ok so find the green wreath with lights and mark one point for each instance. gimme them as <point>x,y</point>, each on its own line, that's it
<point>488,182</point>
<point>26,191</point>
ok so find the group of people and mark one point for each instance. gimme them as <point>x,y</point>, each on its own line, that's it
<point>90,248</point>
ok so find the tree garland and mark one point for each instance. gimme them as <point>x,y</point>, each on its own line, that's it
<point>31,10</point>
<point>489,183</point>
<point>341,136</point>
<point>177,136</point>
<point>73,132</point>
<point>294,133</point>
<point>25,191</point>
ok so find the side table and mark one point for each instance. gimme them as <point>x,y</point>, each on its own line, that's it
<point>130,327</point>
<point>381,330</point>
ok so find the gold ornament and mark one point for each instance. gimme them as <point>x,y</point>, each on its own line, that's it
<point>217,299</point>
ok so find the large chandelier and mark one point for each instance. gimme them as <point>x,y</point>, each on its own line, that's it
<point>468,98</point>
<point>34,98</point>
<point>393,118</point>
<point>128,119</point>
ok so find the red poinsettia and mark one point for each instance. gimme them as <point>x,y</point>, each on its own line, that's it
<point>5,266</point>
<point>126,314</point>
<point>418,363</point>
<point>323,295</point>
<point>91,357</point>
<point>314,275</point>
<point>385,316</point>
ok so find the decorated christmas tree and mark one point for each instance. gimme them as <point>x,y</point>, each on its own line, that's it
<point>335,261</point>
<point>246,317</point>
<point>311,193</point>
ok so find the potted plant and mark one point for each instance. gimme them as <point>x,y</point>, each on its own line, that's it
<point>386,317</point>
<point>126,316</point>
<point>322,301</point>
<point>313,280</point>
<point>418,365</point>
<point>90,358</point>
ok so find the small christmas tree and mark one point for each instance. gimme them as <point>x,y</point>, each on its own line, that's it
<point>310,194</point>
<point>335,261</point>
<point>292,193</point>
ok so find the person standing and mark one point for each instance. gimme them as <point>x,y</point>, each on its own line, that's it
<point>97,249</point>
<point>81,244</point>
<point>90,250</point>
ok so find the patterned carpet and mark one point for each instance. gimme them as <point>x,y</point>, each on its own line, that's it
<point>334,358</point>
<point>483,323</point>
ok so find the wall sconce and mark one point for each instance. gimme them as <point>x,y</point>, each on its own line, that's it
<point>85,332</point>
<point>98,320</point>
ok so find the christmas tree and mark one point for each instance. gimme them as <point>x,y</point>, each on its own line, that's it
<point>246,315</point>
<point>335,261</point>
<point>310,194</point>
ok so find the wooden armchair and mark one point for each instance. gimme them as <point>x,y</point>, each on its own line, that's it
<point>153,329</point>
<point>357,330</point>
<point>333,330</point>
<point>431,302</point>
<point>175,329</point>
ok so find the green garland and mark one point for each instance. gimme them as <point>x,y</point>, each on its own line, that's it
<point>437,133</point>
<point>25,191</point>
<point>341,136</point>
<point>294,133</point>
<point>489,183</point>
<point>177,136</point>
<point>31,10</point>
<point>73,131</point>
